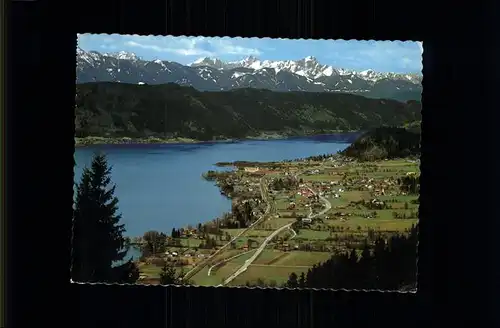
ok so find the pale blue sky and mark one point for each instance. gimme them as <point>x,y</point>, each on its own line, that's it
<point>382,56</point>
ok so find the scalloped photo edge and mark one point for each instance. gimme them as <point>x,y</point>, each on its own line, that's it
<point>247,162</point>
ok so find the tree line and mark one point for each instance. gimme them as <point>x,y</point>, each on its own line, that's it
<point>390,265</point>
<point>287,183</point>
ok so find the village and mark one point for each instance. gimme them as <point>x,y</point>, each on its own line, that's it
<point>287,217</point>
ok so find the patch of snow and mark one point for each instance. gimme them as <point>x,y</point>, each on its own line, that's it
<point>237,75</point>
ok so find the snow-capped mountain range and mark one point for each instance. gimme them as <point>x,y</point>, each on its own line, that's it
<point>213,74</point>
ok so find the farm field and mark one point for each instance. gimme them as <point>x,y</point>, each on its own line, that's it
<point>320,210</point>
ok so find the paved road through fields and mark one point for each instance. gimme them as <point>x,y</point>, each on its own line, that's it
<point>226,260</point>
<point>248,262</point>
<point>263,193</point>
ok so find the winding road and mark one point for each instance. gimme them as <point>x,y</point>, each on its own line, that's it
<point>226,260</point>
<point>244,267</point>
<point>263,193</point>
<point>248,262</point>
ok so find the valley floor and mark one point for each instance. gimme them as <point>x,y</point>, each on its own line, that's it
<point>320,207</point>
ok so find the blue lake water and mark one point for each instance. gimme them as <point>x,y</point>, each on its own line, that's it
<point>160,187</point>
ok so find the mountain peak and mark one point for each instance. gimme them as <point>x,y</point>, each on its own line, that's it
<point>310,59</point>
<point>208,61</point>
<point>124,55</point>
<point>213,74</point>
<point>202,60</point>
<point>251,58</point>
<point>367,72</point>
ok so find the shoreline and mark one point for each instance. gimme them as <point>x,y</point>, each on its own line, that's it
<point>216,177</point>
<point>94,140</point>
<point>210,253</point>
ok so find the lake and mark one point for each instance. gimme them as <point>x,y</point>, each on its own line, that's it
<point>160,186</point>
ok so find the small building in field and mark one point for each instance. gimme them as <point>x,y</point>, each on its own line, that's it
<point>251,169</point>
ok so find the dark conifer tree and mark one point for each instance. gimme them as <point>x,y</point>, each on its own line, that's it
<point>366,275</point>
<point>302,280</point>
<point>168,276</point>
<point>99,248</point>
<point>292,281</point>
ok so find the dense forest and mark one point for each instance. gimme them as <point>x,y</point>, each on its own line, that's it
<point>390,265</point>
<point>106,109</point>
<point>385,142</point>
<point>401,95</point>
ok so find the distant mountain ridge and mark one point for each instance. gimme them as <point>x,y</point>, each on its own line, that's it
<point>213,74</point>
<point>107,109</point>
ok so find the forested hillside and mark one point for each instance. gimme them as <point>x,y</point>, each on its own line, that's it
<point>107,109</point>
<point>385,142</point>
